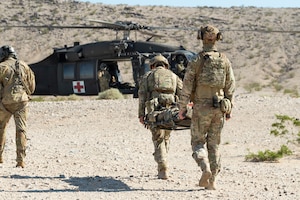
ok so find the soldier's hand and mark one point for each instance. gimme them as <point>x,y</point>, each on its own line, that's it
<point>227,116</point>
<point>181,114</point>
<point>142,121</point>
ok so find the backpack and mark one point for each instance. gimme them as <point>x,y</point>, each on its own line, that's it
<point>164,81</point>
<point>211,71</point>
<point>26,76</point>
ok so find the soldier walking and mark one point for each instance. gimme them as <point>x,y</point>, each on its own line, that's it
<point>209,82</point>
<point>157,90</point>
<point>17,82</point>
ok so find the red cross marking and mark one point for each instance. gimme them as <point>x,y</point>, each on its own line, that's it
<point>78,86</point>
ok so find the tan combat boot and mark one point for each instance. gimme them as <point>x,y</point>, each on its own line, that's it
<point>20,164</point>
<point>211,186</point>
<point>206,173</point>
<point>162,171</point>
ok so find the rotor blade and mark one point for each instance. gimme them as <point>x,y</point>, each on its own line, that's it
<point>110,25</point>
<point>263,31</point>
<point>151,34</point>
<point>54,27</point>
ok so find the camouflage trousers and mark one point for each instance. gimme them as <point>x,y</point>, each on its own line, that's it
<point>19,112</point>
<point>161,141</point>
<point>206,127</point>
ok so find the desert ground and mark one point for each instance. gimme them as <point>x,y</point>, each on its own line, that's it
<point>97,149</point>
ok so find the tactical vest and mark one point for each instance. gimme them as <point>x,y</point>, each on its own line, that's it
<point>163,80</point>
<point>162,85</point>
<point>213,70</point>
<point>17,83</point>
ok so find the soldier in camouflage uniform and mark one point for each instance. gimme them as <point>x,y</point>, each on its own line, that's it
<point>17,82</point>
<point>103,77</point>
<point>210,82</point>
<point>158,89</point>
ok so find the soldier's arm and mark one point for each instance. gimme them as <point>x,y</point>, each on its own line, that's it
<point>179,86</point>
<point>188,83</point>
<point>230,82</point>
<point>142,97</point>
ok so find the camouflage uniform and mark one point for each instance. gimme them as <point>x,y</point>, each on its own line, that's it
<point>104,78</point>
<point>207,119</point>
<point>147,94</point>
<point>14,99</point>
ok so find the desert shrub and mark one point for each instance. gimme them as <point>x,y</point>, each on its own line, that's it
<point>110,94</point>
<point>284,127</point>
<point>268,155</point>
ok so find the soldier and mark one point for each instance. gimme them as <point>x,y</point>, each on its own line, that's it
<point>17,82</point>
<point>209,81</point>
<point>103,77</point>
<point>158,90</point>
<point>180,66</point>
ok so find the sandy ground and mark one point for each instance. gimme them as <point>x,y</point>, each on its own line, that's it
<point>96,149</point>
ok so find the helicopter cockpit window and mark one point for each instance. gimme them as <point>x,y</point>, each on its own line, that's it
<point>86,70</point>
<point>69,71</point>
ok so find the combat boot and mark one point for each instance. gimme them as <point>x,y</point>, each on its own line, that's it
<point>1,159</point>
<point>206,173</point>
<point>162,171</point>
<point>163,174</point>
<point>20,164</point>
<point>211,186</point>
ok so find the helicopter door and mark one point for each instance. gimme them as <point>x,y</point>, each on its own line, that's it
<point>78,78</point>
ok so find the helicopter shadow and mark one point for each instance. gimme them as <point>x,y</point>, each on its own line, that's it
<point>90,184</point>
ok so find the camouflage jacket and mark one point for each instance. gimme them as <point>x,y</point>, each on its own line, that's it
<point>15,86</point>
<point>147,92</point>
<point>195,80</point>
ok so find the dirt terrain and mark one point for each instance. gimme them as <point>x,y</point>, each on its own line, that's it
<point>96,149</point>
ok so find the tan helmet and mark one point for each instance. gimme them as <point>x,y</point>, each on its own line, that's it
<point>210,29</point>
<point>159,59</point>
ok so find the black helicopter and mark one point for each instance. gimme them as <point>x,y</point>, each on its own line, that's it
<point>74,69</point>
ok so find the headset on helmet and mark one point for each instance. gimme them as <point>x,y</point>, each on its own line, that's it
<point>209,28</point>
<point>159,59</point>
<point>6,51</point>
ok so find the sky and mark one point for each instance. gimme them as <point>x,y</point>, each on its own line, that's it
<point>213,3</point>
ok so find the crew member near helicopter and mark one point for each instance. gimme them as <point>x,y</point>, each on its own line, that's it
<point>104,77</point>
<point>17,82</point>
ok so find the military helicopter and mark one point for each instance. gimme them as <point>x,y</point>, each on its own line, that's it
<point>74,69</point>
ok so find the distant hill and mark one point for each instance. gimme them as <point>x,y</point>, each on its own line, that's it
<point>262,61</point>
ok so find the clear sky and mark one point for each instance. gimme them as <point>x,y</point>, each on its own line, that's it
<point>214,3</point>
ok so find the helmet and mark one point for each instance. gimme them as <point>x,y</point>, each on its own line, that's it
<point>159,59</point>
<point>6,51</point>
<point>210,29</point>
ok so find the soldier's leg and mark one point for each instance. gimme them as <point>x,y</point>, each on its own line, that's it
<point>199,128</point>
<point>20,117</point>
<point>4,118</point>
<point>160,151</point>
<point>213,142</point>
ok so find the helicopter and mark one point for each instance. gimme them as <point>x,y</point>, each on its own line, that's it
<point>74,69</point>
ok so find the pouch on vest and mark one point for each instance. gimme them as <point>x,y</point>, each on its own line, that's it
<point>151,105</point>
<point>225,106</point>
